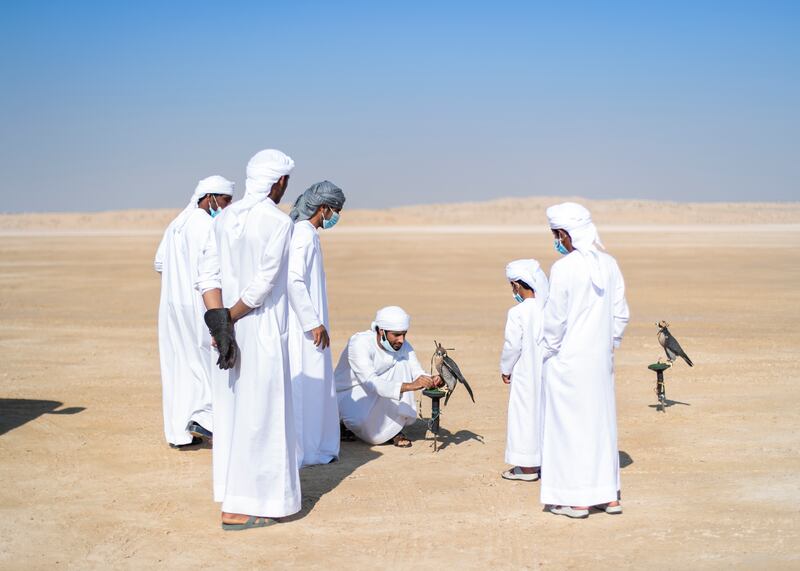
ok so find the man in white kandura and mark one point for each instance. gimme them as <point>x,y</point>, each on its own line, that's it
<point>183,341</point>
<point>316,415</point>
<point>375,379</point>
<point>584,319</point>
<point>521,366</point>
<point>244,268</point>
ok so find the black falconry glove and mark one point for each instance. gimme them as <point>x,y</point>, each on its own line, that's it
<point>220,325</point>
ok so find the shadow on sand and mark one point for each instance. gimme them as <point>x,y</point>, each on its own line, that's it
<point>668,403</point>
<point>16,412</point>
<point>316,481</point>
<point>420,435</point>
<point>204,445</point>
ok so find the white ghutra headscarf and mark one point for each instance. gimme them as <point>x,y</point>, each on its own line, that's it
<point>391,318</point>
<point>577,220</point>
<point>530,272</point>
<point>264,169</point>
<point>210,185</point>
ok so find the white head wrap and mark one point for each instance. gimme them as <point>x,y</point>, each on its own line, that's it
<point>577,221</point>
<point>211,185</point>
<point>530,272</point>
<point>263,170</point>
<point>318,194</point>
<point>391,318</point>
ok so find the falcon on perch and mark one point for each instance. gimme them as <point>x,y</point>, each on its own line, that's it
<point>671,346</point>
<point>449,372</point>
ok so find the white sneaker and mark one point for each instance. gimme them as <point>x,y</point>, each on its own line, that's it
<point>569,511</point>
<point>516,473</point>
<point>613,510</point>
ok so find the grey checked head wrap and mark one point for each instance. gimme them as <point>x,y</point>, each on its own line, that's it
<point>322,193</point>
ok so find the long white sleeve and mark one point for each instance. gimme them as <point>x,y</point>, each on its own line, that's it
<point>621,312</point>
<point>269,266</point>
<point>300,254</point>
<point>208,272</point>
<point>555,311</point>
<point>512,346</point>
<point>363,368</point>
<point>158,263</point>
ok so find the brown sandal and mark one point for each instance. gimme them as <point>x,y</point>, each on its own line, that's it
<point>401,441</point>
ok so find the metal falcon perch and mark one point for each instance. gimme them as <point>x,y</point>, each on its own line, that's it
<point>450,373</point>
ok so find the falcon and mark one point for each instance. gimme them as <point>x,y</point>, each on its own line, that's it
<point>671,346</point>
<point>449,371</point>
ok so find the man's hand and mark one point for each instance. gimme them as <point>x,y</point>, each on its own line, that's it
<point>424,382</point>
<point>506,379</point>
<point>437,379</point>
<point>321,338</point>
<point>421,382</point>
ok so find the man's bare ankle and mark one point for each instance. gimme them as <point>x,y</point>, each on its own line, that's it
<point>234,518</point>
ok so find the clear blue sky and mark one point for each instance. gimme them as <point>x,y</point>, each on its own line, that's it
<point>126,104</point>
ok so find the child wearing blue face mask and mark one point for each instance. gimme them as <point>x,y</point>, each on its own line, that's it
<point>521,367</point>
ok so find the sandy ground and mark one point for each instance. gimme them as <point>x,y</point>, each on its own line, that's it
<point>521,212</point>
<point>88,481</point>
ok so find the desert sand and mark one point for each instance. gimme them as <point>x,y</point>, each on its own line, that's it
<point>714,482</point>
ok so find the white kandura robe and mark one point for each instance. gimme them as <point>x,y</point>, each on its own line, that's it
<point>582,326</point>
<point>368,382</point>
<point>254,455</point>
<point>183,340</point>
<point>522,358</point>
<point>316,412</point>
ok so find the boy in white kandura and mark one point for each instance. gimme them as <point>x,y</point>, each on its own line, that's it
<point>521,367</point>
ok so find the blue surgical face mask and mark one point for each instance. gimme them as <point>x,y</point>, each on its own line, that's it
<point>328,223</point>
<point>560,248</point>
<point>518,298</point>
<point>214,211</point>
<point>386,345</point>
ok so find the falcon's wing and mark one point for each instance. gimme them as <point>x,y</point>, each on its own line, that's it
<point>449,378</point>
<point>675,347</point>
<point>450,364</point>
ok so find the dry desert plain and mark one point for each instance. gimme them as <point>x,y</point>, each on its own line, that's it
<point>714,482</point>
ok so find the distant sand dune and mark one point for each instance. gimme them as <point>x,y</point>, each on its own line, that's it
<point>507,213</point>
<point>449,229</point>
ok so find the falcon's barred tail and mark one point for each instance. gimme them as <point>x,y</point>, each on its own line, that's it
<point>469,389</point>
<point>687,359</point>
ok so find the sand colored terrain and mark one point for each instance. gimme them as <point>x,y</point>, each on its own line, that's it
<point>88,481</point>
<point>528,212</point>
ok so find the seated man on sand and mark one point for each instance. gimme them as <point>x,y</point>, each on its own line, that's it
<point>375,379</point>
